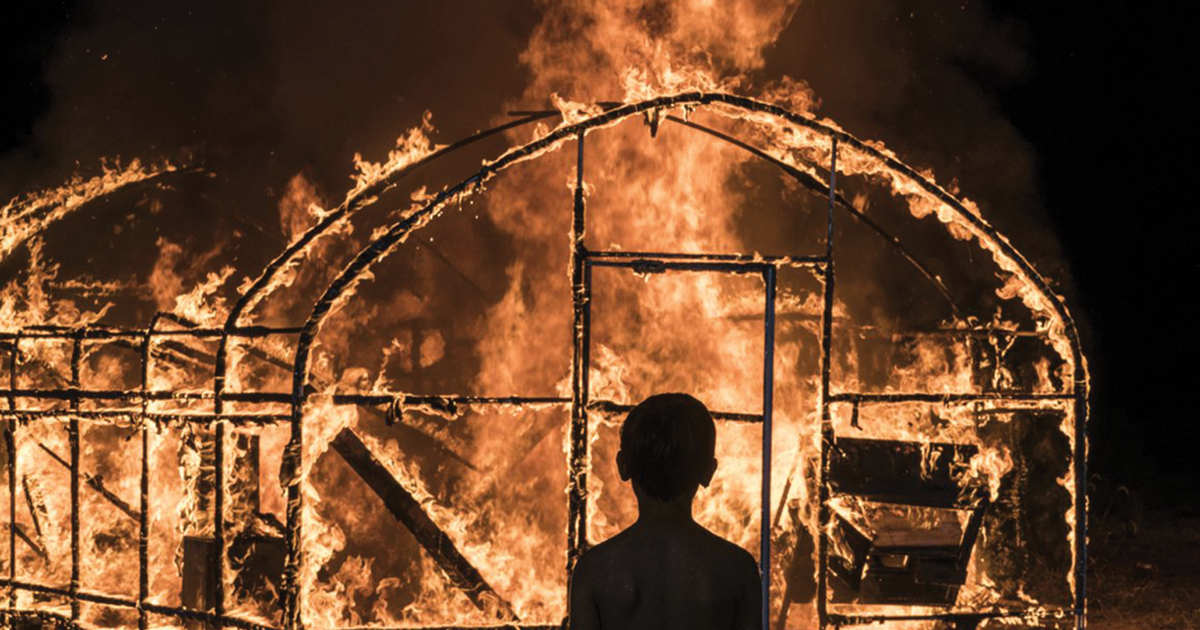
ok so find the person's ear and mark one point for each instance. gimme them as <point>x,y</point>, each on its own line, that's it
<point>706,478</point>
<point>622,466</point>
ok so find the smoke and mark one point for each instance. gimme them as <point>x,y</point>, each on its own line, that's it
<point>923,78</point>
<point>266,90</point>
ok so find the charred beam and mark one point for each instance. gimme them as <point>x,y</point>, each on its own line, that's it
<point>956,618</point>
<point>178,351</point>
<point>408,511</point>
<point>101,332</point>
<point>122,602</point>
<point>10,448</point>
<point>613,408</point>
<point>96,482</point>
<point>755,261</point>
<point>36,504</point>
<point>27,539</point>
<point>73,394</point>
<point>578,444</point>
<point>131,415</point>
<point>446,403</point>
<point>930,397</point>
<point>73,441</point>
<point>144,480</point>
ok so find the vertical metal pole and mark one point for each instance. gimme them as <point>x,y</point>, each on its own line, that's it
<point>220,371</point>
<point>14,357</point>
<point>293,616</point>
<point>218,603</point>
<point>10,436</point>
<point>826,419</point>
<point>577,459</point>
<point>10,444</point>
<point>73,437</point>
<point>768,406</point>
<point>144,484</point>
<point>1081,525</point>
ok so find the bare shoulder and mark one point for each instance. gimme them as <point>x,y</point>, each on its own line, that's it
<point>587,566</point>
<point>733,556</point>
<point>598,558</point>
<point>582,606</point>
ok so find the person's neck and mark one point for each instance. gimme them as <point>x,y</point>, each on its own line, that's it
<point>677,511</point>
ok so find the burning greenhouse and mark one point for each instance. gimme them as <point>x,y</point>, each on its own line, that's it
<point>398,405</point>
<point>419,431</point>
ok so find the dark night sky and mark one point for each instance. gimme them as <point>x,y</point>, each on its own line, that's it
<point>1106,112</point>
<point>1100,97</point>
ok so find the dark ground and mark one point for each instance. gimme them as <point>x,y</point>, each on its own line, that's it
<point>1144,553</point>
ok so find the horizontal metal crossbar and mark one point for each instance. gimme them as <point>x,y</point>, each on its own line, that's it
<point>610,407</point>
<point>136,395</point>
<point>132,416</point>
<point>903,397</point>
<point>66,333</point>
<point>838,619</point>
<point>654,265</point>
<point>125,602</point>
<point>517,626</point>
<point>70,393</point>
<point>437,400</point>
<point>777,261</point>
<point>434,401</point>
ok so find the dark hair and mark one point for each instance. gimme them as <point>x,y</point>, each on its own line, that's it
<point>668,441</point>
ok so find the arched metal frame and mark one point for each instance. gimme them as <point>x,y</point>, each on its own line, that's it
<point>384,244</point>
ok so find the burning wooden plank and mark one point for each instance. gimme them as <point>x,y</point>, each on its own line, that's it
<point>908,473</point>
<point>888,558</point>
<point>27,539</point>
<point>36,504</point>
<point>96,482</point>
<point>407,510</point>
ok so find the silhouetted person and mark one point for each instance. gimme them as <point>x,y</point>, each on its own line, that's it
<point>666,572</point>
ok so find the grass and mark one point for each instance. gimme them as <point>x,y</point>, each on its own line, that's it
<point>1144,559</point>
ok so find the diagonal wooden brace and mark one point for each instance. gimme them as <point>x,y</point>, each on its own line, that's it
<point>401,503</point>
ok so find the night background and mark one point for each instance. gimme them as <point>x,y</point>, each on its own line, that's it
<point>1082,114</point>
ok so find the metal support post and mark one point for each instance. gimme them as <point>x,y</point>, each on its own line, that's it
<point>580,299</point>
<point>826,419</point>
<point>767,408</point>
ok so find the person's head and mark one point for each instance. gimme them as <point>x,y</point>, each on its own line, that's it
<point>668,443</point>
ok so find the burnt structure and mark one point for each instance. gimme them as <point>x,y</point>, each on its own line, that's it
<point>865,561</point>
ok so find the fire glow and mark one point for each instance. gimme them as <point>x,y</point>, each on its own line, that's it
<point>401,423</point>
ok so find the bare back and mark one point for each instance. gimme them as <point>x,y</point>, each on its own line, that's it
<point>666,577</point>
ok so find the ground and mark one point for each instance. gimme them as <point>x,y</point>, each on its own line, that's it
<point>1145,556</point>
